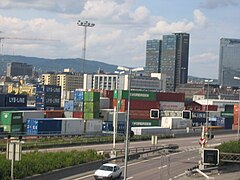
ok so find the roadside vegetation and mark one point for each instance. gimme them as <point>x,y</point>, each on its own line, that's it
<point>38,162</point>
<point>230,147</point>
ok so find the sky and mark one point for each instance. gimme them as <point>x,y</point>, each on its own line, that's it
<point>48,29</point>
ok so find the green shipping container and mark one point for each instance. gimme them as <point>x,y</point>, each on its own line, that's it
<point>91,96</point>
<point>11,118</point>
<point>12,128</point>
<point>90,107</point>
<point>88,115</point>
<point>135,95</point>
<point>144,123</point>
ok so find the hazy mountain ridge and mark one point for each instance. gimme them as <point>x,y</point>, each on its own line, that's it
<point>56,65</point>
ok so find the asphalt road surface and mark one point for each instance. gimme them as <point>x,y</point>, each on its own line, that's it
<point>161,167</point>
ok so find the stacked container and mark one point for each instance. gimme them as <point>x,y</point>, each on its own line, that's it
<point>78,104</point>
<point>141,103</point>
<point>11,121</point>
<point>48,97</point>
<point>13,100</point>
<point>91,104</point>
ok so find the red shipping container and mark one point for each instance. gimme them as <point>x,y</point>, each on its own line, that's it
<point>108,93</point>
<point>54,113</point>
<point>137,105</point>
<point>168,96</point>
<point>78,114</point>
<point>139,114</point>
<point>210,107</point>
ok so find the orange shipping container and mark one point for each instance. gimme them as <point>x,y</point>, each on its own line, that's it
<point>235,115</point>
<point>78,114</point>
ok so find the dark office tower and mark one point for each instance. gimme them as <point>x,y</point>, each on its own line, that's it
<point>153,56</point>
<point>229,62</point>
<point>19,69</point>
<point>174,59</point>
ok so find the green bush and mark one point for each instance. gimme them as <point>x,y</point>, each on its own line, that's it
<point>230,147</point>
<point>40,162</point>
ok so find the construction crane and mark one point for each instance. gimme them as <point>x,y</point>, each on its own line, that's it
<point>22,38</point>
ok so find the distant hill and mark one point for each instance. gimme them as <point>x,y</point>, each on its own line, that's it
<point>56,65</point>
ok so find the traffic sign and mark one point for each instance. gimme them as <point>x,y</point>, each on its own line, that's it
<point>202,141</point>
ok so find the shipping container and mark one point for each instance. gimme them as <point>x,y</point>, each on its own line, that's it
<point>135,95</point>
<point>91,106</point>
<point>68,105</point>
<point>170,96</point>
<point>78,114</point>
<point>1,129</point>
<point>90,96</point>
<point>90,115</point>
<point>78,96</point>
<point>31,114</point>
<point>104,103</point>
<point>144,123</point>
<point>139,114</point>
<point>170,105</point>
<point>15,100</point>
<point>93,126</point>
<point>72,126</point>
<point>136,104</point>
<point>154,130</point>
<point>107,115</point>
<point>108,93</point>
<point>53,113</point>
<point>68,114</point>
<point>48,89</point>
<point>2,100</point>
<point>52,100</point>
<point>107,127</point>
<point>14,128</point>
<point>167,113</point>
<point>229,108</point>
<point>175,123</point>
<point>236,114</point>
<point>78,106</point>
<point>67,95</point>
<point>43,126</point>
<point>11,118</point>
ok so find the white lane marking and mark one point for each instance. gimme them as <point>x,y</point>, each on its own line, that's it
<point>84,177</point>
<point>161,167</point>
<point>130,178</point>
<point>180,175</point>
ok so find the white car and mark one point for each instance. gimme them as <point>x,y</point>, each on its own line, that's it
<point>108,171</point>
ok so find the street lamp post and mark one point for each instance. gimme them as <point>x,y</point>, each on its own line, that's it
<point>85,24</point>
<point>129,70</point>
<point>207,81</point>
<point>238,136</point>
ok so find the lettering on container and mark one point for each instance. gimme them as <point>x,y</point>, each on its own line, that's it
<point>139,95</point>
<point>141,123</point>
<point>16,100</point>
<point>52,100</point>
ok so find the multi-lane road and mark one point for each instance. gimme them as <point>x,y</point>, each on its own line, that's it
<point>161,167</point>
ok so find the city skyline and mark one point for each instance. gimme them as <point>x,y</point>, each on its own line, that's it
<point>121,29</point>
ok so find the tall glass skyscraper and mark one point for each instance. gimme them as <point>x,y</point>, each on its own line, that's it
<point>229,62</point>
<point>153,56</point>
<point>174,59</point>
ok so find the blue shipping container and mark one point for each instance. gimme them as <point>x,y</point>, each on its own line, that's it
<point>2,100</point>
<point>68,105</point>
<point>15,100</point>
<point>48,89</point>
<point>43,126</point>
<point>78,96</point>
<point>107,126</point>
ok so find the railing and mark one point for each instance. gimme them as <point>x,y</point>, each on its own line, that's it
<point>230,157</point>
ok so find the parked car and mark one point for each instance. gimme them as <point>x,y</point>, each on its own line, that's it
<point>108,171</point>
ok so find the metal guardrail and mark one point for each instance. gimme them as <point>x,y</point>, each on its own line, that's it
<point>230,157</point>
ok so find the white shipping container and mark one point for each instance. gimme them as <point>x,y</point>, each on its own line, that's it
<point>104,113</point>
<point>93,126</point>
<point>104,102</point>
<point>72,126</point>
<point>30,114</point>
<point>175,123</point>
<point>174,106</point>
<point>68,114</point>
<point>121,116</point>
<point>153,130</point>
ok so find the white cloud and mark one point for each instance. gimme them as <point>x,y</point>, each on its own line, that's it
<point>199,18</point>
<point>141,14</point>
<point>219,3</point>
<point>207,57</point>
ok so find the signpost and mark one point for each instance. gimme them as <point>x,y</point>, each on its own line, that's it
<point>14,153</point>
